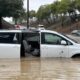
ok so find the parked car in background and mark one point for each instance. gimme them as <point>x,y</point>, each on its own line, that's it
<point>76,32</point>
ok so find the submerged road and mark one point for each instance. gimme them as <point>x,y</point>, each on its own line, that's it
<point>40,69</point>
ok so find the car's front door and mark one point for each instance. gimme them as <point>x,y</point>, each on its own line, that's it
<point>51,46</point>
<point>9,46</point>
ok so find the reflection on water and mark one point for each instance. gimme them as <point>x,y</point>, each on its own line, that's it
<point>40,69</point>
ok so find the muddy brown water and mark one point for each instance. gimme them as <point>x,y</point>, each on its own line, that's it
<point>40,69</point>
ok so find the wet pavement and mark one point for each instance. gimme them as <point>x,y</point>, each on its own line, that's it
<point>40,69</point>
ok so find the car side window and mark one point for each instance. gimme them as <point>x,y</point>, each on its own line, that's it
<point>49,38</point>
<point>8,38</point>
<point>53,39</point>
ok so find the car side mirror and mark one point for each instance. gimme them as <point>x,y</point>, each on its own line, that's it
<point>63,42</point>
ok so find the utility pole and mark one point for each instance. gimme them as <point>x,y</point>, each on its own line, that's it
<point>27,13</point>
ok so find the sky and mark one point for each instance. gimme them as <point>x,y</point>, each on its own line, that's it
<point>35,4</point>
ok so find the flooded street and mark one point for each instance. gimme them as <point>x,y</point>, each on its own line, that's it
<point>40,69</point>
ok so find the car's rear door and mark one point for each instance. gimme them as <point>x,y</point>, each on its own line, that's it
<point>9,46</point>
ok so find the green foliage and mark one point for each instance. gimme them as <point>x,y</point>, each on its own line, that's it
<point>44,12</point>
<point>58,8</point>
<point>10,8</point>
<point>55,7</point>
<point>77,4</point>
<point>32,13</point>
<point>64,6</point>
<point>19,18</point>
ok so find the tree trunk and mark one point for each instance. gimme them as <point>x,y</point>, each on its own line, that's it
<point>47,20</point>
<point>61,20</point>
<point>0,22</point>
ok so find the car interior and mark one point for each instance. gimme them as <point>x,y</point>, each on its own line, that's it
<point>31,44</point>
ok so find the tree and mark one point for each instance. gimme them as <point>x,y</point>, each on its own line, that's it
<point>10,8</point>
<point>44,12</point>
<point>55,10</point>
<point>32,13</point>
<point>54,7</point>
<point>67,6</point>
<point>18,18</point>
<point>77,2</point>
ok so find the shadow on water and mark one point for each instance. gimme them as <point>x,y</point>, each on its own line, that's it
<point>40,69</point>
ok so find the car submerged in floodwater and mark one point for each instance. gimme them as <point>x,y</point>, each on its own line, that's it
<point>36,42</point>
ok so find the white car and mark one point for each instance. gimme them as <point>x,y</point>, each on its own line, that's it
<point>41,43</point>
<point>54,44</point>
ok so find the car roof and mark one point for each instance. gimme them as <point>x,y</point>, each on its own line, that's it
<point>49,31</point>
<point>27,31</point>
<point>4,31</point>
<point>17,31</point>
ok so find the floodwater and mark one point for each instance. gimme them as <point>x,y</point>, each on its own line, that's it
<point>40,69</point>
